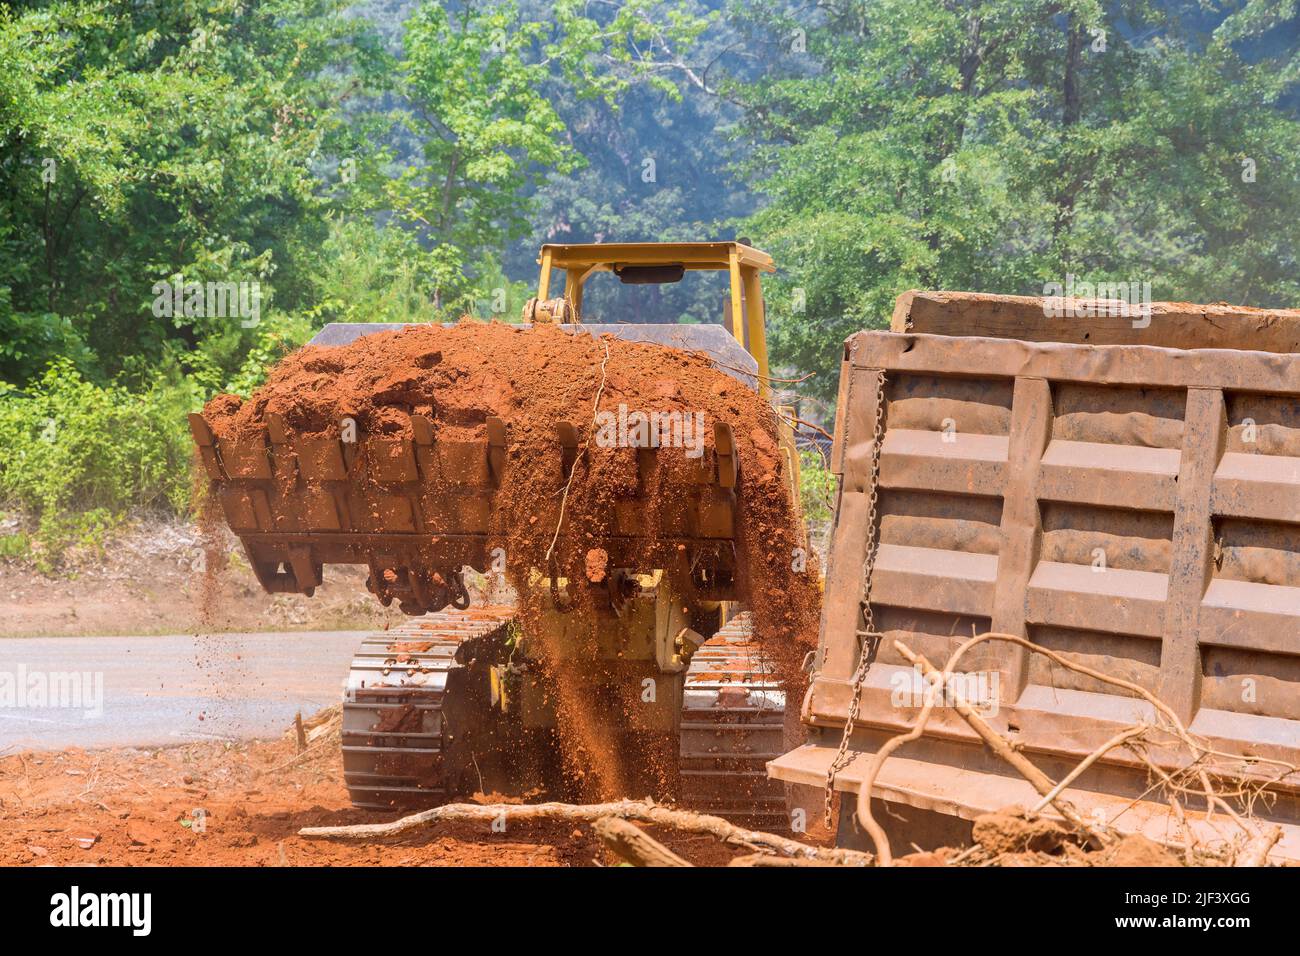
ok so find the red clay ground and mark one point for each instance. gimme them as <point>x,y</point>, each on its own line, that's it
<point>133,807</point>
<point>129,807</point>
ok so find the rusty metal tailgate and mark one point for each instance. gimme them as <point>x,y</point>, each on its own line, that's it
<point>1134,508</point>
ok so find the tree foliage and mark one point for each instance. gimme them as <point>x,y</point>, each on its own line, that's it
<point>143,140</point>
<point>401,160</point>
<point>997,145</point>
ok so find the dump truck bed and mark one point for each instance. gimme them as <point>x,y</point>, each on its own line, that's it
<point>1133,508</point>
<point>1092,321</point>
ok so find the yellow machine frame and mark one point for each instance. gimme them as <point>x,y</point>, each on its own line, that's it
<point>742,263</point>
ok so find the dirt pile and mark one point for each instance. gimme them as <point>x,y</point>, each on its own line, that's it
<point>1012,838</point>
<point>533,379</point>
<point>1011,832</point>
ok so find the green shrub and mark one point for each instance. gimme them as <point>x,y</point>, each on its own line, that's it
<point>239,367</point>
<point>15,547</point>
<point>816,489</point>
<point>77,457</point>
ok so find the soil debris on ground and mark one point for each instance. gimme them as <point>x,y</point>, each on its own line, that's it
<point>223,804</point>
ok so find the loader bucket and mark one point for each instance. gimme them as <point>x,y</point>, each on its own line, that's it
<point>415,502</point>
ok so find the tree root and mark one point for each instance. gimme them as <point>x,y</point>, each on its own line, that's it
<point>641,811</point>
<point>1176,784</point>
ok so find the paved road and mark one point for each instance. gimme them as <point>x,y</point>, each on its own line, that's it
<point>126,691</point>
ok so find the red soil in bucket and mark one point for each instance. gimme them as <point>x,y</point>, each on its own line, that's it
<point>533,378</point>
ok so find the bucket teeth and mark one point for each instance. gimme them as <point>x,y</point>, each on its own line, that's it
<point>415,494</point>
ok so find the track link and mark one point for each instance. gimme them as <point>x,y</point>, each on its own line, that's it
<point>733,715</point>
<point>393,726</point>
<point>394,731</point>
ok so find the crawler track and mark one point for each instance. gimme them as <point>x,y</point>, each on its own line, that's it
<point>394,731</point>
<point>733,715</point>
<point>393,727</point>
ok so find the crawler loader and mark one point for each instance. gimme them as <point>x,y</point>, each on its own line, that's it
<point>455,701</point>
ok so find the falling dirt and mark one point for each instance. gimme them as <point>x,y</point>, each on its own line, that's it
<point>597,563</point>
<point>533,379</point>
<point>211,557</point>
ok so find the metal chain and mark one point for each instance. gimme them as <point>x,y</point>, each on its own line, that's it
<point>868,636</point>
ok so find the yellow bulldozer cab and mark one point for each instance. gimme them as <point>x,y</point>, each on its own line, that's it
<point>651,262</point>
<point>661,262</point>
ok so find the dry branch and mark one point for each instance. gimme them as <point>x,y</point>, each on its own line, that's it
<point>1121,738</point>
<point>755,841</point>
<point>1255,852</point>
<point>879,839</point>
<point>1051,793</point>
<point>1037,779</point>
<point>629,842</point>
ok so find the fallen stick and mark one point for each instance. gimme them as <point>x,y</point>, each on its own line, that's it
<point>638,810</point>
<point>629,842</point>
<point>1037,779</point>
<point>1255,852</point>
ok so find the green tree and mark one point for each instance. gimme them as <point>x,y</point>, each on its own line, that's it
<point>657,165</point>
<point>142,140</point>
<point>484,84</point>
<point>997,145</point>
